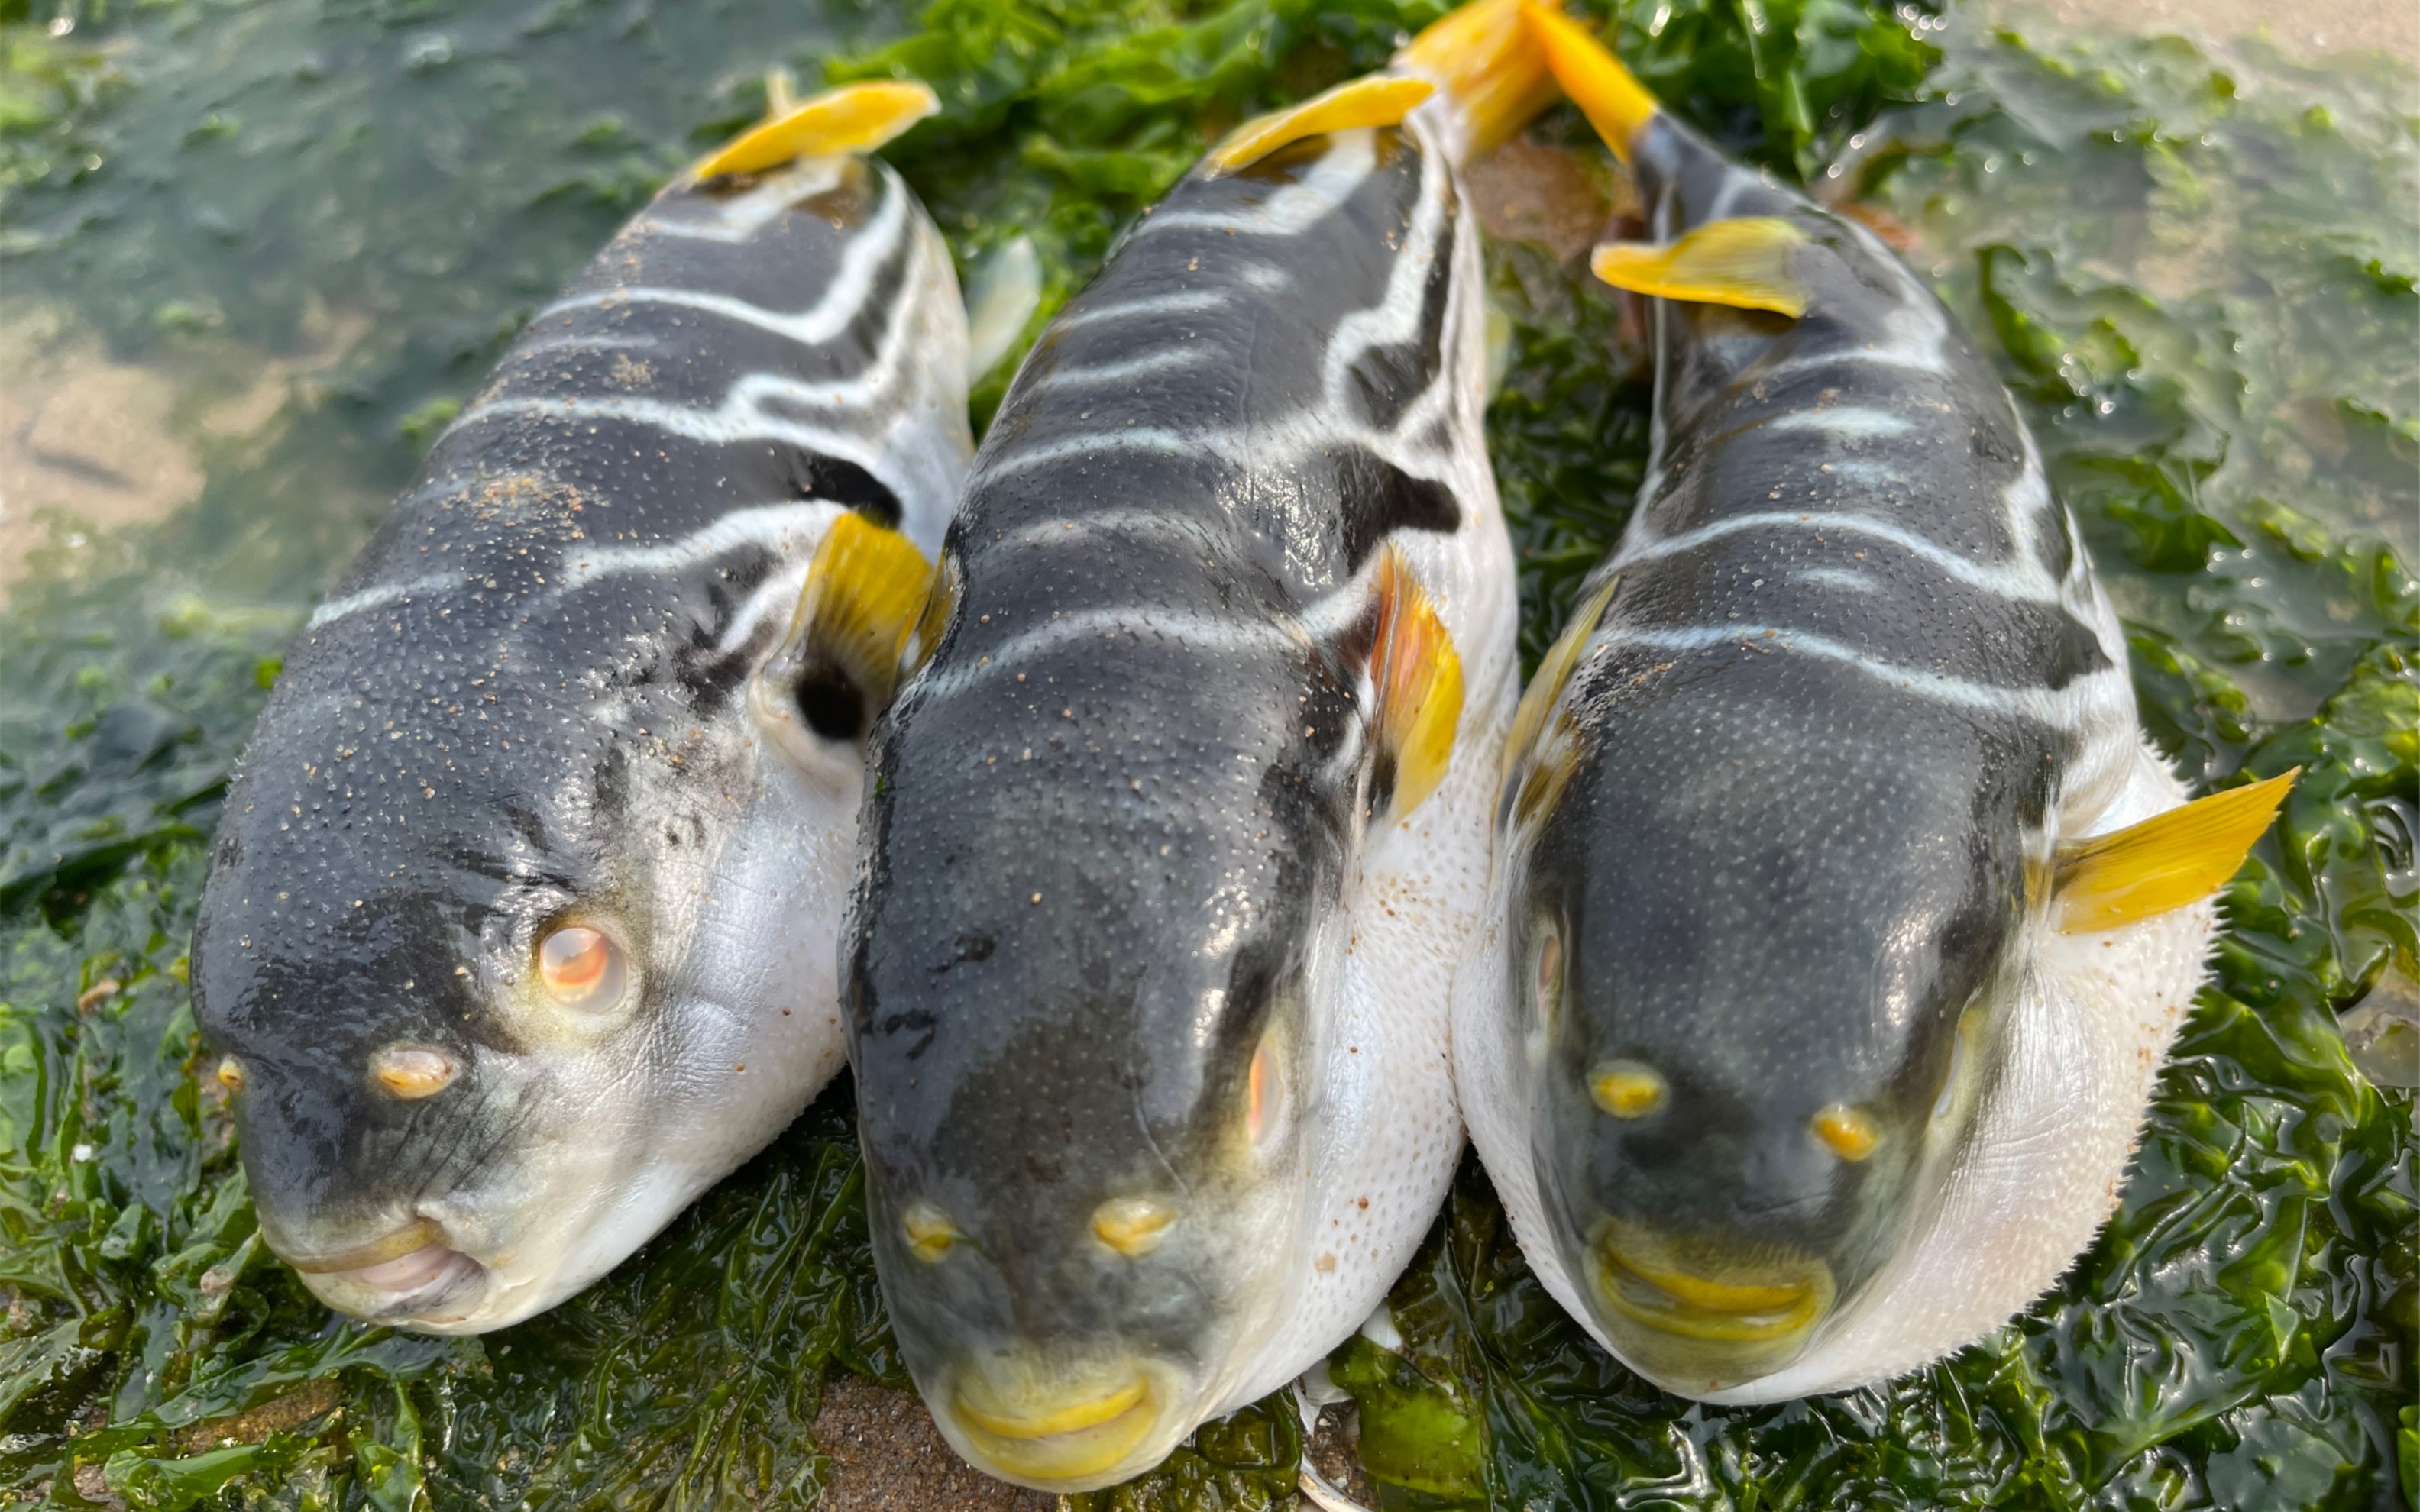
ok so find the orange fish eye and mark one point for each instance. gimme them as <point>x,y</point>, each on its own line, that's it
<point>1550,973</point>
<point>1260,1100</point>
<point>582,967</point>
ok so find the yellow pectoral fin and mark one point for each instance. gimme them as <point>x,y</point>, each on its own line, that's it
<point>1743,263</point>
<point>1487,59</point>
<point>1617,104</point>
<point>857,117</point>
<point>1417,674</point>
<point>1554,670</point>
<point>1535,765</point>
<point>1379,100</point>
<point>864,591</point>
<point>933,619</point>
<point>2164,862</point>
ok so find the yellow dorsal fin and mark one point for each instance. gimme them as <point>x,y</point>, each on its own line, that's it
<point>1743,263</point>
<point>855,117</point>
<point>2166,861</point>
<point>1417,675</point>
<point>1488,60</point>
<point>1618,105</point>
<point>1377,100</point>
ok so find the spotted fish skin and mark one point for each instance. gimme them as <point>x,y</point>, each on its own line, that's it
<point>1782,844</point>
<point>1117,837</point>
<point>527,706</point>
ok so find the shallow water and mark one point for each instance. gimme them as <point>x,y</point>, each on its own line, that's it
<point>253,254</point>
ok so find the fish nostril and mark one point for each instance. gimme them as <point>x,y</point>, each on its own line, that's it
<point>412,1071</point>
<point>929,1232</point>
<point>1847,1132</point>
<point>1628,1088</point>
<point>230,1073</point>
<point>1133,1226</point>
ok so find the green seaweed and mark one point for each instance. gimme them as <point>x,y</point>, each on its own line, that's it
<point>2195,271</point>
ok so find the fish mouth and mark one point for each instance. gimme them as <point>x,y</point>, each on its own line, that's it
<point>409,1276</point>
<point>1061,1438</point>
<point>1703,1316</point>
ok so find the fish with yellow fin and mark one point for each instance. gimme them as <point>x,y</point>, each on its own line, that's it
<point>1174,845</point>
<point>519,926</point>
<point>1843,914</point>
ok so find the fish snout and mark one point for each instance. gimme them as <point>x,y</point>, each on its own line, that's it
<point>1064,1425</point>
<point>407,1275</point>
<point>1699,1311</point>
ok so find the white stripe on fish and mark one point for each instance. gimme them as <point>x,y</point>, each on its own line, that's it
<point>2075,706</point>
<point>841,302</point>
<point>1151,365</point>
<point>1292,209</point>
<point>2024,580</point>
<point>1842,422</point>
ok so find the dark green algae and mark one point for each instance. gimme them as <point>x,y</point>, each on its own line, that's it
<point>2195,270</point>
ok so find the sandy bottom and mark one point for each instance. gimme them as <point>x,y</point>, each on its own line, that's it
<point>887,1456</point>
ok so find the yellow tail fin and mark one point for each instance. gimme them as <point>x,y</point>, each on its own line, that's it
<point>1487,59</point>
<point>2164,862</point>
<point>1618,105</point>
<point>1743,263</point>
<point>1376,99</point>
<point>857,117</point>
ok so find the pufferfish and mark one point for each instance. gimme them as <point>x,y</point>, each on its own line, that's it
<point>519,928</point>
<point>1174,845</point>
<point>1843,914</point>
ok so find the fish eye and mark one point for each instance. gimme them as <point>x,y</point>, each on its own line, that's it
<point>1968,1024</point>
<point>582,967</point>
<point>1544,986</point>
<point>1546,983</point>
<point>1263,1095</point>
<point>1847,1132</point>
<point>929,1232</point>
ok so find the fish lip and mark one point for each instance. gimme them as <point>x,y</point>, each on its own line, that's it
<point>1692,1320</point>
<point>416,1235</point>
<point>411,1276</point>
<point>1099,1440</point>
<point>431,1293</point>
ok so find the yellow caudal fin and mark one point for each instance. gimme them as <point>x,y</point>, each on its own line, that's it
<point>1489,62</point>
<point>1377,100</point>
<point>1743,263</point>
<point>856,118</point>
<point>2166,861</point>
<point>1618,105</point>
<point>1532,774</point>
<point>1417,675</point>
